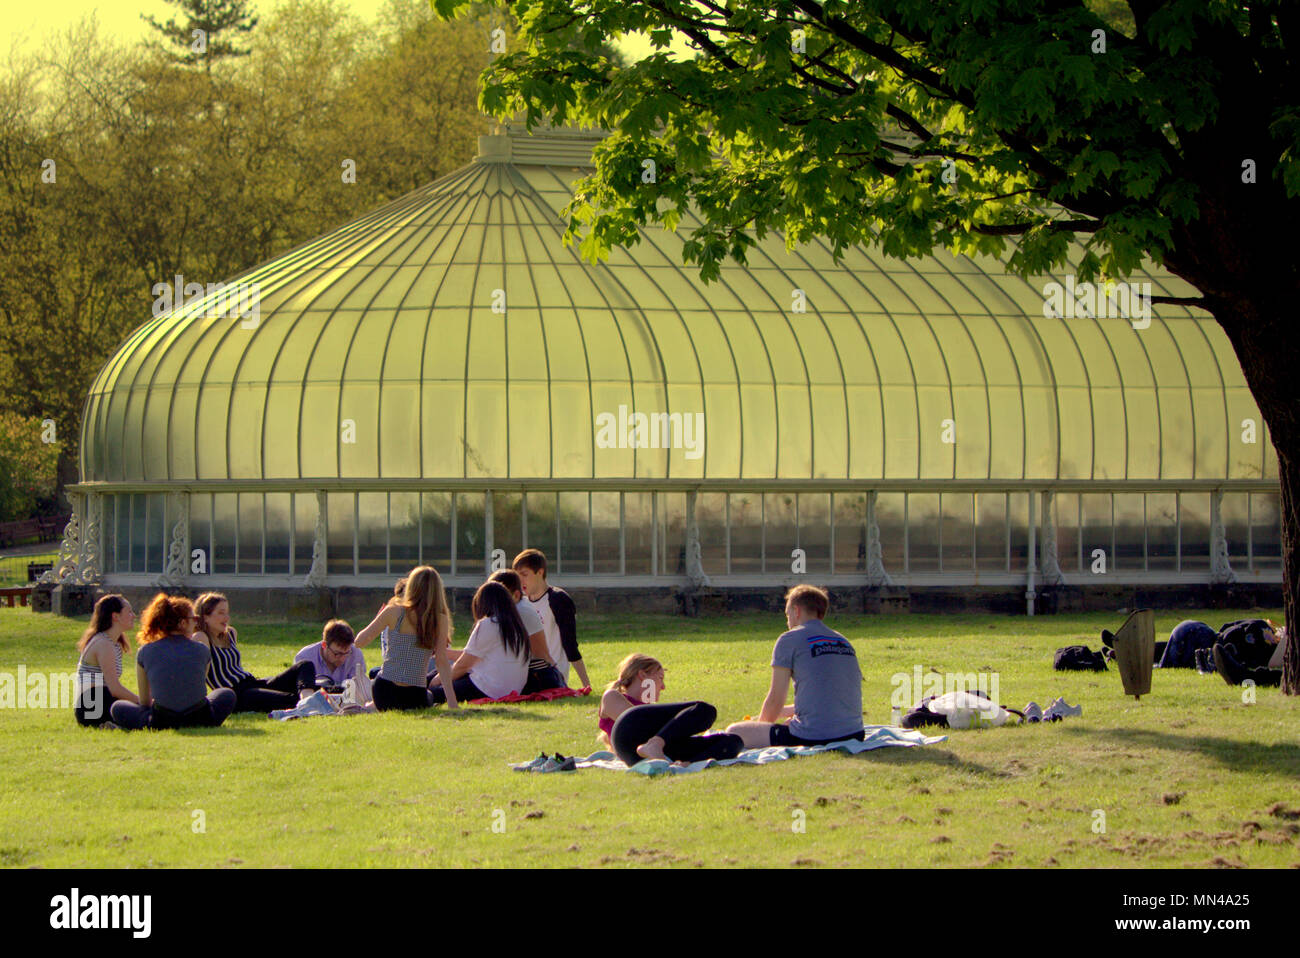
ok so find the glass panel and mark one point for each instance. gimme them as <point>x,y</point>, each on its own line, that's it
<point>1096,531</point>
<point>958,532</point>
<point>815,530</point>
<point>339,520</point>
<point>160,533</point>
<point>277,533</point>
<point>122,533</point>
<point>636,512</point>
<point>470,534</point>
<point>991,532</point>
<point>305,510</point>
<point>782,536</point>
<point>1266,530</point>
<point>604,532</point>
<point>1236,527</point>
<point>575,547</point>
<point>507,526</point>
<point>850,533</point>
<point>372,534</point>
<point>711,519</point>
<point>1128,531</point>
<point>889,519</point>
<point>541,522</point>
<point>404,532</point>
<point>746,533</point>
<point>250,533</point>
<point>1067,532</point>
<point>435,533</point>
<point>672,533</point>
<point>222,560</point>
<point>1194,516</point>
<point>1162,531</point>
<point>923,531</point>
<point>1020,532</point>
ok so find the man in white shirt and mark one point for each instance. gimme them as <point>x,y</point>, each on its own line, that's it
<point>558,613</point>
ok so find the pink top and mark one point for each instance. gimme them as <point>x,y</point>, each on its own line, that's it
<point>607,724</point>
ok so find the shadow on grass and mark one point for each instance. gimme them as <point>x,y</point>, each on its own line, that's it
<point>466,711</point>
<point>1234,753</point>
<point>929,754</point>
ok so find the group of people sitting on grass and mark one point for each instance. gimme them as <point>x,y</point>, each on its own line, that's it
<point>524,639</point>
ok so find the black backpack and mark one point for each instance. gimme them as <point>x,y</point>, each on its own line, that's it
<point>1078,658</point>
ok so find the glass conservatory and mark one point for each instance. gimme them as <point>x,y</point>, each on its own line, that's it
<point>443,381</point>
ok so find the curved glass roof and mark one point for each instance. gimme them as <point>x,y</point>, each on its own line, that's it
<point>382,351</point>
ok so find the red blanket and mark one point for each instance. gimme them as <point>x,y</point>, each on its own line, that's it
<point>547,695</point>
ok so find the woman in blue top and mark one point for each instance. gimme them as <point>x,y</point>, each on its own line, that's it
<point>413,628</point>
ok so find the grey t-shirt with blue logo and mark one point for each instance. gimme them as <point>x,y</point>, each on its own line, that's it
<point>827,681</point>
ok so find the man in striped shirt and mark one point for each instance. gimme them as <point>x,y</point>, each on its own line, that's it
<point>557,611</point>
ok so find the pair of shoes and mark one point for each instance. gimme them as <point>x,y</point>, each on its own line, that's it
<point>558,763</point>
<point>1033,712</point>
<point>1205,661</point>
<point>1060,709</point>
<point>1228,665</point>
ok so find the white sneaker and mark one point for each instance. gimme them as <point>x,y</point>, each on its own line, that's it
<point>1033,712</point>
<point>1060,709</point>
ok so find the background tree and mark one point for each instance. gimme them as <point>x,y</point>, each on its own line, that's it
<point>120,168</point>
<point>214,21</point>
<point>1165,129</point>
<point>27,466</point>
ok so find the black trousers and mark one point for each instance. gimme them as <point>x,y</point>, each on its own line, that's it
<point>389,695</point>
<point>93,705</point>
<point>212,711</point>
<point>465,690</point>
<point>679,724</point>
<point>280,692</point>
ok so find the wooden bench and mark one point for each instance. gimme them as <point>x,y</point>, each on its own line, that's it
<point>11,533</point>
<point>7,596</point>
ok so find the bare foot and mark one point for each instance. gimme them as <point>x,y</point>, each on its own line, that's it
<point>652,749</point>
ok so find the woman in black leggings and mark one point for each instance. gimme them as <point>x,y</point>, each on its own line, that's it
<point>638,726</point>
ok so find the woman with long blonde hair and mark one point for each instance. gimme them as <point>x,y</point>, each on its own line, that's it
<point>170,672</point>
<point>423,612</point>
<point>636,725</point>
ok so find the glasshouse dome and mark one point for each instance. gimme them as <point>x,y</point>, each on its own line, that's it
<point>444,381</point>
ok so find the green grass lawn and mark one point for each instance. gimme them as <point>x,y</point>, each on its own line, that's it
<point>1188,776</point>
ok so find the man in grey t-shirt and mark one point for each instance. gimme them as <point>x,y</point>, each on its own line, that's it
<point>827,682</point>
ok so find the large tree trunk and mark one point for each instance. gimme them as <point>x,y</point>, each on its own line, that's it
<point>1288,468</point>
<point>1269,353</point>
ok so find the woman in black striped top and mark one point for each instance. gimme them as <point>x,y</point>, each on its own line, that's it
<point>226,671</point>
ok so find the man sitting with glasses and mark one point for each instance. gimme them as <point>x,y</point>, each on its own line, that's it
<point>335,656</point>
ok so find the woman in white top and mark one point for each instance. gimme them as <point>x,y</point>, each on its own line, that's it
<point>99,671</point>
<point>495,661</point>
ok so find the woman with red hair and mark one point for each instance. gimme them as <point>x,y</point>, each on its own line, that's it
<point>171,673</point>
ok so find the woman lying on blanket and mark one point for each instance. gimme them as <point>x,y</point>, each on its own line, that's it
<point>636,725</point>
<point>494,663</point>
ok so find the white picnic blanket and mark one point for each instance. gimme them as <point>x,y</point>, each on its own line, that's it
<point>877,736</point>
